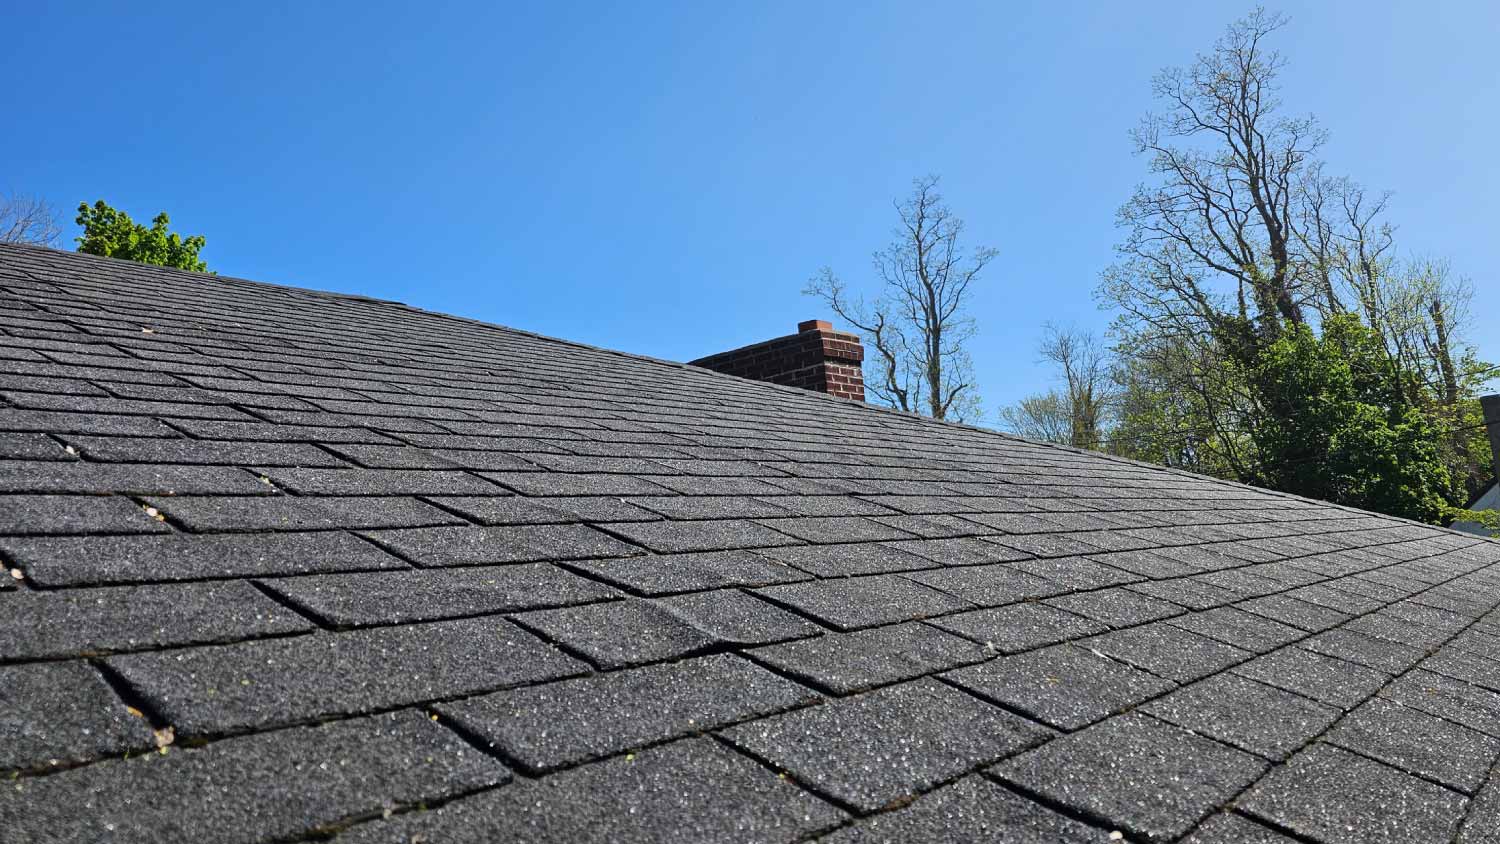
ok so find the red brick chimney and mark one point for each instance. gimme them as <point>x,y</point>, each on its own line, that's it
<point>815,358</point>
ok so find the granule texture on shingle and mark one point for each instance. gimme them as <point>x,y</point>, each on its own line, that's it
<point>279,513</point>
<point>685,606</point>
<point>394,597</point>
<point>665,574</point>
<point>1238,711</point>
<point>973,810</point>
<point>869,750</point>
<point>555,724</point>
<point>689,790</point>
<point>1139,774</point>
<point>1338,797</point>
<point>264,683</point>
<point>41,515</point>
<point>251,788</point>
<point>1019,627</point>
<point>857,602</point>
<point>59,712</point>
<point>78,622</point>
<point>472,546</point>
<point>1422,744</point>
<point>843,663</point>
<point>1065,686</point>
<point>86,560</point>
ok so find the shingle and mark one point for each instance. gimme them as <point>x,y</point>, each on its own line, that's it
<point>24,446</point>
<point>637,631</point>
<point>557,724</point>
<point>76,622</point>
<point>285,512</point>
<point>721,507</point>
<point>1226,828</point>
<point>62,712</point>
<point>1065,686</point>
<point>1379,654</point>
<point>92,404</point>
<point>844,663</point>
<point>1116,607</point>
<point>1140,774</point>
<point>273,433</point>
<point>1479,670</point>
<point>690,790</point>
<point>835,529</point>
<point>1234,626</point>
<point>203,452</point>
<point>40,515</point>
<point>1334,796</point>
<point>75,561</point>
<point>987,586</point>
<point>872,749</point>
<point>1076,572</point>
<point>1050,545</point>
<point>973,810</point>
<point>520,510</point>
<point>1484,815</point>
<point>254,788</point>
<point>857,602</point>
<point>1309,617</point>
<point>1019,627</point>
<point>484,461</point>
<point>1187,591</point>
<point>848,560</point>
<point>826,505</point>
<point>467,546</point>
<point>1168,651</point>
<point>220,688</point>
<point>58,422</point>
<point>393,597</point>
<point>551,483</point>
<point>1323,678</point>
<point>1251,716</point>
<point>379,482</point>
<point>1455,700</point>
<point>389,456</point>
<point>714,535</point>
<point>737,617</point>
<point>666,574</point>
<point>1413,741</point>
<point>144,479</point>
<point>964,551</point>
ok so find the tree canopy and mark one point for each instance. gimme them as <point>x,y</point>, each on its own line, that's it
<point>1267,329</point>
<point>110,232</point>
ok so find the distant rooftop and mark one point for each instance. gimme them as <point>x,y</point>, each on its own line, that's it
<point>295,566</point>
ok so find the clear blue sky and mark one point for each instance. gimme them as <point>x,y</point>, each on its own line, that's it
<point>662,178</point>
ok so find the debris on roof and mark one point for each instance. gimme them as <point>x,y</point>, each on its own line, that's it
<point>282,565</point>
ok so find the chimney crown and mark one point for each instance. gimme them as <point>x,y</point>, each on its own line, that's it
<point>815,358</point>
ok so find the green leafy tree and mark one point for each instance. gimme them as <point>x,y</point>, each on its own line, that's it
<point>1337,425</point>
<point>110,232</point>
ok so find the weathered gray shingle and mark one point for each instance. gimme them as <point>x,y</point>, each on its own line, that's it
<point>687,607</point>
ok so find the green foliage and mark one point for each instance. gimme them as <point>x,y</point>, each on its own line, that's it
<point>1337,425</point>
<point>1487,519</point>
<point>111,233</point>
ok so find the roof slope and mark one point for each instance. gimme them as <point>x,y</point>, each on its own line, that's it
<point>389,575</point>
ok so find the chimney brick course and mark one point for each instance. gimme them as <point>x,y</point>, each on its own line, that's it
<point>815,358</point>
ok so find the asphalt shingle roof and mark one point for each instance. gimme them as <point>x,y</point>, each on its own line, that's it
<point>384,575</point>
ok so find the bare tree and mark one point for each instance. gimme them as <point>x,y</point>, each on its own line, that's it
<point>1218,234</point>
<point>1045,417</point>
<point>1083,363</point>
<point>1078,413</point>
<point>917,324</point>
<point>27,219</point>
